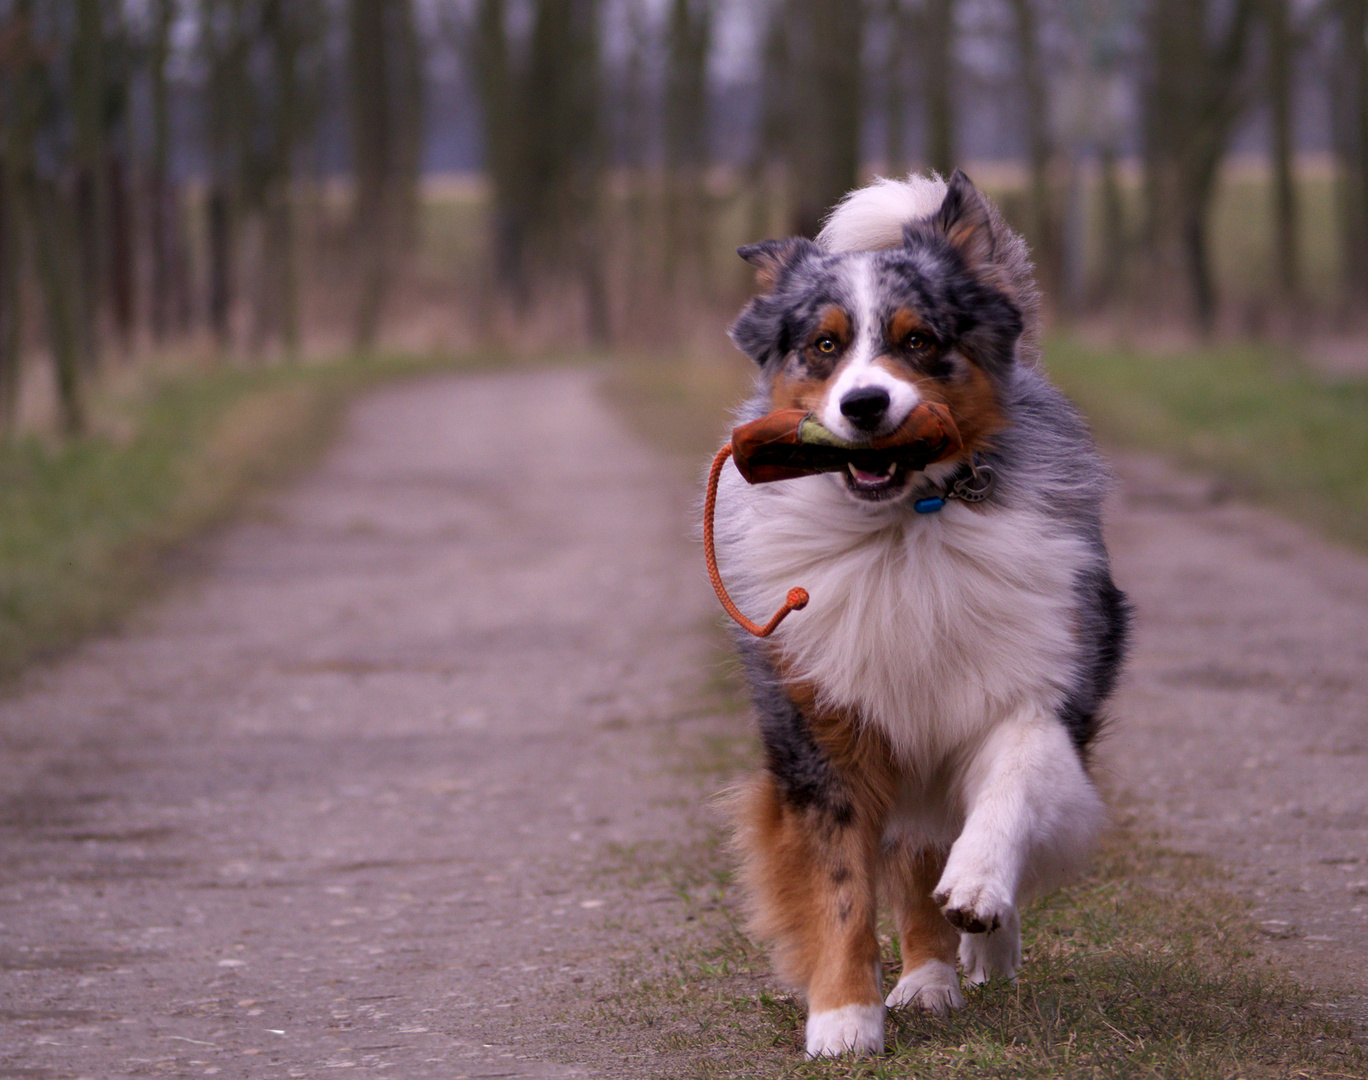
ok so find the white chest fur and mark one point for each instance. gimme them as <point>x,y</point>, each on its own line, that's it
<point>931,626</point>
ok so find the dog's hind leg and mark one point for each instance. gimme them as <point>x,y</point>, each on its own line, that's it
<point>926,939</point>
<point>1031,818</point>
<point>810,872</point>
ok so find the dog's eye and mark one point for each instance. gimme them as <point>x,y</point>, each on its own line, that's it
<point>825,345</point>
<point>917,342</point>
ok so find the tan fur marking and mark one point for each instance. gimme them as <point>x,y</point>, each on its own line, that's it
<point>973,402</point>
<point>812,882</point>
<point>974,405</point>
<point>902,324</point>
<point>796,393</point>
<point>924,933</point>
<point>834,322</point>
<point>821,928</point>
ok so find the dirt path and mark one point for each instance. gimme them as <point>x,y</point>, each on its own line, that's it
<point>1243,722</point>
<point>344,803</point>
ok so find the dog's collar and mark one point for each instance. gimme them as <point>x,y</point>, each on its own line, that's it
<point>972,482</point>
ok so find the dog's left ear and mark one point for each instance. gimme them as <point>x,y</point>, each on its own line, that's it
<point>771,257</point>
<point>964,220</point>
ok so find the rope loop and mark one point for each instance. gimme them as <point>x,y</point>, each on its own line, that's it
<point>797,598</point>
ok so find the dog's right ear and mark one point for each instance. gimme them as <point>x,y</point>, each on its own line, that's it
<point>771,257</point>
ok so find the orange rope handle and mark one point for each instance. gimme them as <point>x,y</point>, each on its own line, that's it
<point>797,598</point>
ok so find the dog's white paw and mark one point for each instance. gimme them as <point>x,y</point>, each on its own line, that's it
<point>932,986</point>
<point>992,956</point>
<point>851,1029</point>
<point>974,902</point>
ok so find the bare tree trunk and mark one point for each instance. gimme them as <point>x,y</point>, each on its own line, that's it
<point>1111,278</point>
<point>88,116</point>
<point>938,91</point>
<point>503,147</point>
<point>386,131</point>
<point>120,267</point>
<point>544,142</point>
<point>895,87</point>
<point>774,136</point>
<point>11,266</point>
<point>160,208</point>
<point>634,123</point>
<point>1194,96</point>
<point>21,81</point>
<point>57,255</point>
<point>686,125</point>
<point>372,149</point>
<point>826,36</point>
<point>219,228</point>
<point>1281,53</point>
<point>284,26</point>
<point>1351,141</point>
<point>1047,220</point>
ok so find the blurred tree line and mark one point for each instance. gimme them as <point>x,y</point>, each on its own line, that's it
<point>610,192</point>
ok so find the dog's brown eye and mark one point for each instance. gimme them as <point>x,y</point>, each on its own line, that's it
<point>825,345</point>
<point>916,342</point>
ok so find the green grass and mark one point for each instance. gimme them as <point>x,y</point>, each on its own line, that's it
<point>1250,415</point>
<point>86,524</point>
<point>1146,969</point>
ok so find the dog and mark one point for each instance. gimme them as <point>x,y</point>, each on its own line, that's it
<point>926,720</point>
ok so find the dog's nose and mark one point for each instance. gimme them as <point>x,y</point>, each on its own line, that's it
<point>865,407</point>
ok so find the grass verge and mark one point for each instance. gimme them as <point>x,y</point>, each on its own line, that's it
<point>86,524</point>
<point>1252,416</point>
<point>1145,969</point>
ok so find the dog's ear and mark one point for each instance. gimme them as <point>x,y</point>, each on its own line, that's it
<point>760,331</point>
<point>965,221</point>
<point>989,320</point>
<point>771,257</point>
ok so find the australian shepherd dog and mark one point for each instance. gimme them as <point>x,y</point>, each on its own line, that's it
<point>926,720</point>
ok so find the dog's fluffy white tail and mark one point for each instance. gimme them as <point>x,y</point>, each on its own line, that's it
<point>873,217</point>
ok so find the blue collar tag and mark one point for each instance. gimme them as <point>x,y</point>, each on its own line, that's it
<point>929,505</point>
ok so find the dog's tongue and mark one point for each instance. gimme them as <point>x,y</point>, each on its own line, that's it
<point>868,477</point>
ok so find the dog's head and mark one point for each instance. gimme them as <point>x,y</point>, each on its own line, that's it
<point>859,338</point>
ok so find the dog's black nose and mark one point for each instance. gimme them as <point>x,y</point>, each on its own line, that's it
<point>865,407</point>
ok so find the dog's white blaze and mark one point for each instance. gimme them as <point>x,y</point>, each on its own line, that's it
<point>851,1029</point>
<point>858,370</point>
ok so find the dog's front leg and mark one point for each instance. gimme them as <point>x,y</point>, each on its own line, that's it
<point>811,869</point>
<point>1031,819</point>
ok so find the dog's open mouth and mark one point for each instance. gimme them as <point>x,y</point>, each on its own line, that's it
<point>874,481</point>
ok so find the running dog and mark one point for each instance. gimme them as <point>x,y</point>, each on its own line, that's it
<point>926,720</point>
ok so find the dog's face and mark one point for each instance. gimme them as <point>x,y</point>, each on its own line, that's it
<point>860,339</point>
